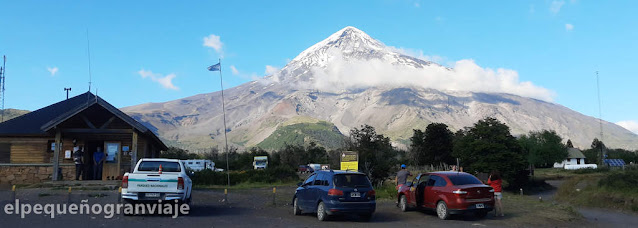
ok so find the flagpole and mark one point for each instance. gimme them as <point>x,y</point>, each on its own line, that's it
<point>221,83</point>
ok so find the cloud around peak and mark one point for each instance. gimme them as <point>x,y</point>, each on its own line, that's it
<point>630,125</point>
<point>463,75</point>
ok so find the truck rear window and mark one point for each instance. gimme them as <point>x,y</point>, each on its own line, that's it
<point>351,180</point>
<point>153,166</point>
<point>463,179</point>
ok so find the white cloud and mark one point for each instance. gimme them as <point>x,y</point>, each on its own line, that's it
<point>555,6</point>
<point>213,41</point>
<point>234,70</point>
<point>569,27</point>
<point>271,70</point>
<point>630,125</point>
<point>53,70</point>
<point>464,75</point>
<point>165,81</point>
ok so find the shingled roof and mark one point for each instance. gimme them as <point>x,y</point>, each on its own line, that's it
<point>40,121</point>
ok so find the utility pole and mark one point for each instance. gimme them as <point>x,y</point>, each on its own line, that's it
<point>67,92</point>
<point>3,70</point>
<point>600,119</point>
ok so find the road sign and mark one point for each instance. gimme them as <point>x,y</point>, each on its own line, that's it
<point>349,160</point>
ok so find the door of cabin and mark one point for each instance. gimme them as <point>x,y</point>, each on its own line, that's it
<point>113,153</point>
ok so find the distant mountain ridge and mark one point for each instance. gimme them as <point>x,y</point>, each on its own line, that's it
<point>306,90</point>
<point>13,113</point>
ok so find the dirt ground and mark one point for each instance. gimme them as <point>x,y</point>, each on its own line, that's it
<point>247,208</point>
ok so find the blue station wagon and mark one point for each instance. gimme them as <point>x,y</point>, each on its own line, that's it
<point>331,192</point>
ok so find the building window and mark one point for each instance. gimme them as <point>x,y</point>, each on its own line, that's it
<point>578,161</point>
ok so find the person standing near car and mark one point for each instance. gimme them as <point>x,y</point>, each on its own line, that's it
<point>402,176</point>
<point>496,183</point>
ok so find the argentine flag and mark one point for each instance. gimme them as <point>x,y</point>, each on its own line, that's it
<point>216,67</point>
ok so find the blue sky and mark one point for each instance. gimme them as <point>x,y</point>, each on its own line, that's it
<point>138,45</point>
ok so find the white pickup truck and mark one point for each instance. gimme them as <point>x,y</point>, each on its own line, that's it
<point>156,179</point>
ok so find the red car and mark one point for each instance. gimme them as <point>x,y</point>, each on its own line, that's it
<point>447,193</point>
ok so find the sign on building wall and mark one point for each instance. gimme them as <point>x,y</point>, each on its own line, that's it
<point>349,160</point>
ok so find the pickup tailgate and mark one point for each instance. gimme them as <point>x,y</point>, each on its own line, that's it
<point>152,182</point>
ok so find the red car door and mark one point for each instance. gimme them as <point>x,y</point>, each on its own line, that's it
<point>420,190</point>
<point>431,193</point>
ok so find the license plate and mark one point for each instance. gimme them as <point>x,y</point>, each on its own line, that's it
<point>152,195</point>
<point>355,194</point>
<point>480,205</point>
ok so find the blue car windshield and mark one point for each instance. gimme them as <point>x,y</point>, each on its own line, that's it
<point>351,180</point>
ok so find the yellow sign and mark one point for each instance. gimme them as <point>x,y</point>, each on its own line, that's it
<point>350,165</point>
<point>349,160</point>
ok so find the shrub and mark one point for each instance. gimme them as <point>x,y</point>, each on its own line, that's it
<point>275,174</point>
<point>623,181</point>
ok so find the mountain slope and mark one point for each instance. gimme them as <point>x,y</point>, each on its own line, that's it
<point>319,83</point>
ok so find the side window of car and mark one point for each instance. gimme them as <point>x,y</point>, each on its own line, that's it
<point>424,180</point>
<point>433,180</point>
<point>319,180</point>
<point>440,182</point>
<point>310,180</point>
<point>326,180</point>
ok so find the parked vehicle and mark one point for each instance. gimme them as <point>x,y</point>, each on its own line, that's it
<point>303,169</point>
<point>260,162</point>
<point>157,179</point>
<point>447,193</point>
<point>199,165</point>
<point>330,192</point>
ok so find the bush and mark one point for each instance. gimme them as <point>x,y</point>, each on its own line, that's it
<point>622,181</point>
<point>591,170</point>
<point>269,175</point>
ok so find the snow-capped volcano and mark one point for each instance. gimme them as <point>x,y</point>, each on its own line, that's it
<point>347,44</point>
<point>350,79</point>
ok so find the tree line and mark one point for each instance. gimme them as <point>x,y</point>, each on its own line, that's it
<point>486,146</point>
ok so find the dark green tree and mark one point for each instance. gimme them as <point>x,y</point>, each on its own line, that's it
<point>543,148</point>
<point>417,148</point>
<point>376,155</point>
<point>178,153</point>
<point>487,146</point>
<point>434,146</point>
<point>569,144</point>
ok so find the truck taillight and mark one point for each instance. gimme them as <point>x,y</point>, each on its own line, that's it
<point>125,182</point>
<point>335,192</point>
<point>180,183</point>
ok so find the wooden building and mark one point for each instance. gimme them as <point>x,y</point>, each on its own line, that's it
<point>34,145</point>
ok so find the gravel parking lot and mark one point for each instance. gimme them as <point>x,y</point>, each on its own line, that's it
<point>246,208</point>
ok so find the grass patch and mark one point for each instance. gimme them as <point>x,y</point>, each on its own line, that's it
<point>532,212</point>
<point>616,190</point>
<point>44,194</point>
<point>386,191</point>
<point>248,185</point>
<point>97,195</point>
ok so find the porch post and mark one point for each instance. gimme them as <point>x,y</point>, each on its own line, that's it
<point>56,154</point>
<point>134,151</point>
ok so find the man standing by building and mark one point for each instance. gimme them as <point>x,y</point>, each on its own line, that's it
<point>98,162</point>
<point>402,176</point>
<point>78,157</point>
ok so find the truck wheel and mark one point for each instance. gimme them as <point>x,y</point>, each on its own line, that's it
<point>403,203</point>
<point>441,210</point>
<point>295,208</point>
<point>321,212</point>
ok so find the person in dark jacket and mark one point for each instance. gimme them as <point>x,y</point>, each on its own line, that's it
<point>78,158</point>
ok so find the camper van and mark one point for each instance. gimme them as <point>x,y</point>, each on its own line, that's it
<point>199,165</point>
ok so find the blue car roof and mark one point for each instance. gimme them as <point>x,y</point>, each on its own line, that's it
<point>339,172</point>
